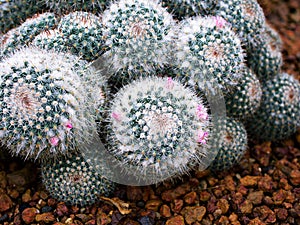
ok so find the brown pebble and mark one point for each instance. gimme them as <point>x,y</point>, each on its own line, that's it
<point>281,213</point>
<point>201,174</point>
<point>134,193</point>
<point>153,205</point>
<point>28,215</point>
<point>223,205</point>
<point>43,195</point>
<point>26,197</point>
<point>266,184</point>
<point>190,198</point>
<point>223,220</point>
<point>170,195</point>
<point>204,196</point>
<point>102,218</point>
<point>58,223</point>
<point>256,221</point>
<point>51,202</point>
<point>176,220</point>
<point>246,207</point>
<point>255,197</point>
<point>45,217</point>
<point>233,218</point>
<point>61,209</point>
<point>249,180</point>
<point>279,196</point>
<point>229,183</point>
<point>165,211</point>
<point>193,214</point>
<point>176,205</point>
<point>84,218</point>
<point>90,222</point>
<point>13,193</point>
<point>265,214</point>
<point>295,177</point>
<point>5,202</point>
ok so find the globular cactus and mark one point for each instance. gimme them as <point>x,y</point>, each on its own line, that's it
<point>246,97</point>
<point>51,40</point>
<point>158,126</point>
<point>25,33</point>
<point>76,180</point>
<point>246,17</point>
<point>45,110</point>
<point>15,12</point>
<point>136,34</point>
<point>232,145</point>
<point>67,6</point>
<point>208,51</point>
<point>188,8</point>
<point>265,56</point>
<point>279,114</point>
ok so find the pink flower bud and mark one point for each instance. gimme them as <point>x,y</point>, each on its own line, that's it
<point>170,83</point>
<point>201,137</point>
<point>201,112</point>
<point>220,22</point>
<point>69,125</point>
<point>54,141</point>
<point>116,116</point>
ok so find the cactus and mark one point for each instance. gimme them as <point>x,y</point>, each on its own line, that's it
<point>208,50</point>
<point>158,124</point>
<point>44,106</point>
<point>279,114</point>
<point>67,6</point>
<point>136,35</point>
<point>26,32</point>
<point>14,12</point>
<point>246,98</point>
<point>75,181</point>
<point>246,17</point>
<point>265,57</point>
<point>188,8</point>
<point>51,40</point>
<point>232,146</point>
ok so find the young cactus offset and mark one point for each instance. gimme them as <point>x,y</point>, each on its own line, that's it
<point>188,8</point>
<point>232,146</point>
<point>44,107</point>
<point>246,98</point>
<point>158,126</point>
<point>209,51</point>
<point>279,114</point>
<point>75,180</point>
<point>136,34</point>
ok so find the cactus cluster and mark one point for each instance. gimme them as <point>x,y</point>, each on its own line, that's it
<point>140,75</point>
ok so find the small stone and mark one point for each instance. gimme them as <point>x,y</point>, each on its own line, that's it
<point>43,195</point>
<point>256,221</point>
<point>176,220</point>
<point>165,211</point>
<point>233,218</point>
<point>176,205</point>
<point>26,197</point>
<point>13,193</point>
<point>61,209</point>
<point>246,207</point>
<point>255,197</point>
<point>268,200</point>
<point>193,214</point>
<point>51,202</point>
<point>249,180</point>
<point>266,184</point>
<point>279,197</point>
<point>134,193</point>
<point>295,177</point>
<point>265,214</point>
<point>223,205</point>
<point>281,213</point>
<point>153,205</point>
<point>223,220</point>
<point>204,196</point>
<point>28,215</point>
<point>45,217</point>
<point>102,218</point>
<point>229,183</point>
<point>190,198</point>
<point>170,195</point>
<point>5,202</point>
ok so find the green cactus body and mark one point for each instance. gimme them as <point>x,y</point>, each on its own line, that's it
<point>51,39</point>
<point>232,146</point>
<point>188,8</point>
<point>246,98</point>
<point>14,12</point>
<point>136,34</point>
<point>44,105</point>
<point>245,16</point>
<point>158,124</point>
<point>25,33</point>
<point>279,114</point>
<point>265,56</point>
<point>67,6</point>
<point>82,33</point>
<point>208,50</point>
<point>75,180</point>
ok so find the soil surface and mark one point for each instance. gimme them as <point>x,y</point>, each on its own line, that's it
<point>263,189</point>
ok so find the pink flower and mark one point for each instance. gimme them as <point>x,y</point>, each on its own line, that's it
<point>201,137</point>
<point>201,112</point>
<point>54,141</point>
<point>220,22</point>
<point>170,83</point>
<point>69,125</point>
<point>116,116</point>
